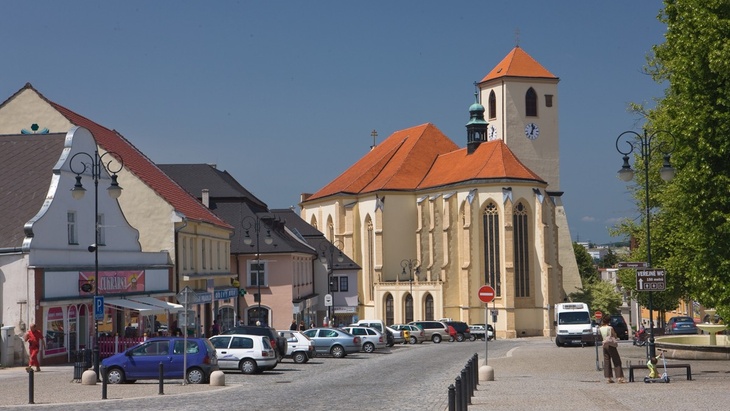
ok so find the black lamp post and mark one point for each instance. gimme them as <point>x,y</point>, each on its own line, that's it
<point>95,165</point>
<point>248,223</point>
<point>414,267</point>
<point>326,248</point>
<point>642,143</point>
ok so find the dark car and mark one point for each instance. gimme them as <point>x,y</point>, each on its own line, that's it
<point>462,330</point>
<point>275,339</point>
<point>143,361</point>
<point>619,325</point>
<point>681,325</point>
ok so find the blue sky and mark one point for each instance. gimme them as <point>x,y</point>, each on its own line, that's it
<point>284,94</point>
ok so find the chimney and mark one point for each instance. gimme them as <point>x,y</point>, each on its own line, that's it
<point>206,198</point>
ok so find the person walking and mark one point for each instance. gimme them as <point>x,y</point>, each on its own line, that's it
<point>302,327</point>
<point>293,326</point>
<point>610,352</point>
<point>35,342</point>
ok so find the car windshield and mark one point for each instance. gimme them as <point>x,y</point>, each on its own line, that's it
<point>684,320</point>
<point>579,317</point>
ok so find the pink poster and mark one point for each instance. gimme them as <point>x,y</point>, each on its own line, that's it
<point>111,282</point>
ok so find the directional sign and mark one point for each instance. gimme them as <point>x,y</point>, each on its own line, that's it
<point>486,293</point>
<point>627,264</point>
<point>328,300</point>
<point>651,279</point>
<point>98,307</point>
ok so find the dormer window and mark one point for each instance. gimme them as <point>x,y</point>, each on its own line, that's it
<point>531,103</point>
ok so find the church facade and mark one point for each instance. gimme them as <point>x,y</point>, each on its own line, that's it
<point>430,222</point>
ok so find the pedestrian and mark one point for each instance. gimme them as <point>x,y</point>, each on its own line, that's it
<point>610,352</point>
<point>216,329</point>
<point>35,343</point>
<point>293,326</point>
<point>302,327</point>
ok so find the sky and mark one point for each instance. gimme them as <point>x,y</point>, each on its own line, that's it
<point>284,95</point>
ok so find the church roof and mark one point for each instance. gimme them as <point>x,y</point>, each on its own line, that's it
<point>422,157</point>
<point>518,64</point>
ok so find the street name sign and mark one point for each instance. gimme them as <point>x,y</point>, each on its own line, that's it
<point>651,279</point>
<point>628,264</point>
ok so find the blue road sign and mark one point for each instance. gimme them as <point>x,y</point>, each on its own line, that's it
<point>98,307</point>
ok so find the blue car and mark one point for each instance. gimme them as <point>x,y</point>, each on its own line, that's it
<point>681,325</point>
<point>143,361</point>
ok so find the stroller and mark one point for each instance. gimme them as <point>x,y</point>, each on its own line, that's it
<point>653,374</point>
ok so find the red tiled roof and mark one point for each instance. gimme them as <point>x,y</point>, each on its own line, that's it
<point>518,64</point>
<point>141,166</point>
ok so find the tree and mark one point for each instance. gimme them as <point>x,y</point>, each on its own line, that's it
<point>599,295</point>
<point>586,267</point>
<point>609,260</point>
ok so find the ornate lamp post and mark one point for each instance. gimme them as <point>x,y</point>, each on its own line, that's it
<point>329,248</point>
<point>414,267</point>
<point>95,164</point>
<point>642,144</point>
<point>248,223</point>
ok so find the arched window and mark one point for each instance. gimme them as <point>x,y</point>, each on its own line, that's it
<point>389,314</point>
<point>531,103</point>
<point>254,315</point>
<point>409,308</point>
<point>492,268</point>
<point>428,308</point>
<point>492,105</point>
<point>370,256</point>
<point>521,251</point>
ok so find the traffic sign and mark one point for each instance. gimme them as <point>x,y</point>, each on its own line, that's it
<point>328,300</point>
<point>651,279</point>
<point>627,264</point>
<point>598,315</point>
<point>486,293</point>
<point>98,307</point>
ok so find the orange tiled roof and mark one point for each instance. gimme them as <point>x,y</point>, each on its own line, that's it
<point>518,64</point>
<point>423,157</point>
<point>141,166</point>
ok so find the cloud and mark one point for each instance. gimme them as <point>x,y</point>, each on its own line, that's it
<point>587,219</point>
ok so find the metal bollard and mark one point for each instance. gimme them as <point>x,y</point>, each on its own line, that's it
<point>162,385</point>
<point>459,396</point>
<point>452,398</point>
<point>470,374</point>
<point>465,389</point>
<point>476,370</point>
<point>103,371</point>
<point>31,386</point>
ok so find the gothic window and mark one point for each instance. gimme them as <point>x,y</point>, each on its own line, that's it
<point>492,260</point>
<point>521,251</point>
<point>409,308</point>
<point>531,103</point>
<point>428,308</point>
<point>492,105</point>
<point>371,255</point>
<point>389,313</point>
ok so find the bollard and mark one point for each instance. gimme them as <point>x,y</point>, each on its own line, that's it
<point>103,370</point>
<point>452,398</point>
<point>459,396</point>
<point>465,400</point>
<point>162,386</point>
<point>31,386</point>
<point>467,376</point>
<point>476,370</point>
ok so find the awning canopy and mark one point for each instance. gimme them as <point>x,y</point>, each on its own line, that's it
<point>143,308</point>
<point>165,305</point>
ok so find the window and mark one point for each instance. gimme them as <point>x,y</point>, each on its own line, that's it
<point>409,308</point>
<point>183,257</point>
<point>548,100</point>
<point>101,228</point>
<point>257,273</point>
<point>191,255</point>
<point>521,251</point>
<point>492,105</point>
<point>242,342</point>
<point>192,347</point>
<point>333,284</point>
<point>204,260</point>
<point>531,103</point>
<point>344,285</point>
<point>389,314</point>
<point>429,307</point>
<point>491,248</point>
<point>218,254</point>
<point>71,227</point>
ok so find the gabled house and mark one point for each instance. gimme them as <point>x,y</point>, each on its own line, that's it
<point>166,216</point>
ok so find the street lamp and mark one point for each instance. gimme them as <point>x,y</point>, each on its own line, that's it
<point>95,165</point>
<point>643,145</point>
<point>325,248</point>
<point>254,222</point>
<point>414,268</point>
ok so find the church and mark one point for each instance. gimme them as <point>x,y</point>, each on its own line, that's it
<point>431,222</point>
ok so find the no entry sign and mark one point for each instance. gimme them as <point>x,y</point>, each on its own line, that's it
<point>486,293</point>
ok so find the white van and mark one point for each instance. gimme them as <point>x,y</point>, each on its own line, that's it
<point>572,322</point>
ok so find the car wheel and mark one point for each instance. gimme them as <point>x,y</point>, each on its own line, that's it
<point>472,338</point>
<point>459,337</point>
<point>115,376</point>
<point>368,347</point>
<point>451,338</point>
<point>337,351</point>
<point>248,366</point>
<point>436,338</point>
<point>413,340</point>
<point>195,376</point>
<point>300,357</point>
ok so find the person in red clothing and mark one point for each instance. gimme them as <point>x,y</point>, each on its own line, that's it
<point>35,342</point>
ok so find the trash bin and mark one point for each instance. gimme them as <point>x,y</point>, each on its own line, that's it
<point>79,364</point>
<point>87,357</point>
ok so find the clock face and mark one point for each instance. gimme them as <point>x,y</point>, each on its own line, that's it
<point>532,131</point>
<point>492,133</point>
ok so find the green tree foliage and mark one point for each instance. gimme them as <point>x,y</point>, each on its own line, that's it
<point>586,267</point>
<point>599,295</point>
<point>609,260</point>
<point>691,232</point>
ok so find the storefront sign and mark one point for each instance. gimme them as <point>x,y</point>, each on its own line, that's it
<point>114,282</point>
<point>225,293</point>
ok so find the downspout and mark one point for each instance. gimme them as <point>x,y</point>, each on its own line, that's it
<point>177,263</point>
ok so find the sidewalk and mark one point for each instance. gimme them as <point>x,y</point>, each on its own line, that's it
<point>542,376</point>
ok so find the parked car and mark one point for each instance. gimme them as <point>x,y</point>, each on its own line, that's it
<point>619,325</point>
<point>380,326</point>
<point>299,347</point>
<point>462,330</point>
<point>398,336</point>
<point>277,342</point>
<point>478,332</point>
<point>248,353</point>
<point>370,338</point>
<point>143,361</point>
<point>333,341</point>
<point>681,325</point>
<point>435,330</point>
<point>415,334</point>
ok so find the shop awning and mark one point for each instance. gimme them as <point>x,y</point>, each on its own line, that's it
<point>165,305</point>
<point>144,309</point>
